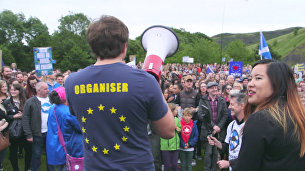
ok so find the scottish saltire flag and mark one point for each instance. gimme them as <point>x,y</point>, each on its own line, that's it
<point>223,59</point>
<point>263,48</point>
<point>209,70</point>
<point>236,69</point>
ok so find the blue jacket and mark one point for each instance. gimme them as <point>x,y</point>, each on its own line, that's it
<point>193,137</point>
<point>55,85</point>
<point>71,132</point>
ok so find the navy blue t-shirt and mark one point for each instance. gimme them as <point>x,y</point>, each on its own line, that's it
<point>113,104</point>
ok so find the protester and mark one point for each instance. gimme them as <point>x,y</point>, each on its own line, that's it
<point>233,139</point>
<point>59,78</point>
<point>34,122</point>
<point>302,85</point>
<point>213,113</point>
<point>14,107</point>
<point>203,89</point>
<point>119,97</point>
<point>188,139</point>
<point>302,97</point>
<point>3,130</point>
<point>6,73</point>
<point>189,98</point>
<point>19,78</point>
<point>226,93</point>
<point>177,89</point>
<point>68,125</point>
<point>274,132</point>
<point>202,92</point>
<point>237,86</point>
<point>52,84</point>
<point>30,89</point>
<point>3,91</point>
<point>230,80</point>
<point>14,69</point>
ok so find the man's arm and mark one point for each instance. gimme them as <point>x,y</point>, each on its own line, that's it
<point>224,116</point>
<point>177,101</point>
<point>165,127</point>
<point>26,117</point>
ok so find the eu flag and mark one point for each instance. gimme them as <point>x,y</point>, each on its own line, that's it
<point>236,69</point>
<point>263,48</point>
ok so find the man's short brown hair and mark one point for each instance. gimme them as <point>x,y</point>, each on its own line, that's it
<point>107,37</point>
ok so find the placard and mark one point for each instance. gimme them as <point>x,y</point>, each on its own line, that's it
<point>43,60</point>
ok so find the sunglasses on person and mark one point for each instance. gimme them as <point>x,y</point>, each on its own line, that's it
<point>229,88</point>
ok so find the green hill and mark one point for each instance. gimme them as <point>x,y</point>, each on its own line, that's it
<point>285,42</point>
<point>251,38</point>
<point>290,46</point>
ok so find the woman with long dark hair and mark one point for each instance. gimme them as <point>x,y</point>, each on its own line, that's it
<point>30,89</point>
<point>226,93</point>
<point>202,89</point>
<point>14,107</point>
<point>274,132</point>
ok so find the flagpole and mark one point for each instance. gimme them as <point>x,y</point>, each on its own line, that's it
<point>261,44</point>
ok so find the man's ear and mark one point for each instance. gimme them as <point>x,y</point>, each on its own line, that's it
<point>125,48</point>
<point>243,105</point>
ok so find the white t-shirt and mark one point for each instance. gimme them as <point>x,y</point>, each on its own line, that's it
<point>45,105</point>
<point>234,139</point>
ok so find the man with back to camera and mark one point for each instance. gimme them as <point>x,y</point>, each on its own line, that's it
<point>233,139</point>
<point>113,103</point>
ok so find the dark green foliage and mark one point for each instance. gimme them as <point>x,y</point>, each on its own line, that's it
<point>295,31</point>
<point>18,36</point>
<point>238,51</point>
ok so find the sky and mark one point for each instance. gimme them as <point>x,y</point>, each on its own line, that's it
<point>210,17</point>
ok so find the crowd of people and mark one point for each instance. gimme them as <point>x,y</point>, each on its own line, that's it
<point>220,96</point>
<point>30,101</point>
<point>250,122</point>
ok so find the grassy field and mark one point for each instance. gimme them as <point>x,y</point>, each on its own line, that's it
<point>8,167</point>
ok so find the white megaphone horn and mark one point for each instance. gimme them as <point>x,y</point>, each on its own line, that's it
<point>159,42</point>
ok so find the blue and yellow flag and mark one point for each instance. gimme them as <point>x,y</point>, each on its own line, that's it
<point>300,67</point>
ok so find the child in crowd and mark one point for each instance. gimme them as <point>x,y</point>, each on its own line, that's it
<point>169,147</point>
<point>188,139</point>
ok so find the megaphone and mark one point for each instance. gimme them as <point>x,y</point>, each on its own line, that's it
<point>159,42</point>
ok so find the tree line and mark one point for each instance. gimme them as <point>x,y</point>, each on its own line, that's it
<point>18,37</point>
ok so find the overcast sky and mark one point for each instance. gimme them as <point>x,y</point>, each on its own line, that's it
<point>210,17</point>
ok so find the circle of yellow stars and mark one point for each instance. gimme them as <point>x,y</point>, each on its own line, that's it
<point>113,111</point>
